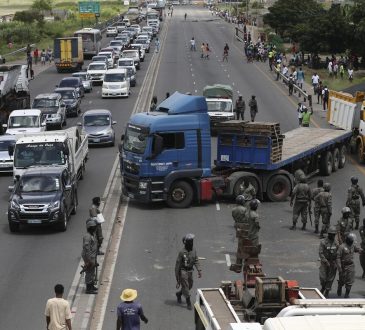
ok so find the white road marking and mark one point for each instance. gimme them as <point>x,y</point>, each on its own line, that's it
<point>228,260</point>
<point>90,102</point>
<point>194,82</point>
<point>217,206</point>
<point>196,91</point>
<point>228,75</point>
<point>192,74</point>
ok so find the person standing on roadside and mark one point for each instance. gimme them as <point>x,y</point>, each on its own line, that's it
<point>36,55</point>
<point>319,92</point>
<point>43,57</point>
<point>89,255</point>
<point>253,107</point>
<point>300,78</point>
<point>300,113</point>
<point>315,81</point>
<point>240,108</point>
<point>325,97</point>
<point>157,45</point>
<point>306,117</point>
<point>96,214</point>
<point>58,312</point>
<point>129,312</point>
<point>207,51</point>
<point>192,44</point>
<point>225,53</point>
<point>202,50</point>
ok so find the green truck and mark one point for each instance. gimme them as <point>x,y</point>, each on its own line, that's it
<point>68,54</point>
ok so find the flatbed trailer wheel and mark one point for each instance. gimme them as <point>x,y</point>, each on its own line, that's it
<point>279,188</point>
<point>326,163</point>
<point>180,195</point>
<point>336,159</point>
<point>342,161</point>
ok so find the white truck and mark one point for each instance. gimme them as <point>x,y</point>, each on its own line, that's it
<point>68,148</point>
<point>275,305</point>
<point>220,104</point>
<point>25,121</point>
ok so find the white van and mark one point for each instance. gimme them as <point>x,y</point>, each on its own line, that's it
<point>25,121</point>
<point>115,83</point>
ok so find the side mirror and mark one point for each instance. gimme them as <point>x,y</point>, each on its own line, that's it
<point>11,150</point>
<point>79,124</point>
<point>10,188</point>
<point>5,125</point>
<point>68,187</point>
<point>114,122</point>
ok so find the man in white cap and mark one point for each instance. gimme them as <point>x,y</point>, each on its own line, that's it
<point>129,312</point>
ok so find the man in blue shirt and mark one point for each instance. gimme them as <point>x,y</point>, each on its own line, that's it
<point>129,312</point>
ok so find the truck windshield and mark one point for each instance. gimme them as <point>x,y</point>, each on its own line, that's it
<point>29,154</point>
<point>23,121</point>
<point>219,106</point>
<point>114,77</point>
<point>45,103</point>
<point>29,184</point>
<point>135,141</point>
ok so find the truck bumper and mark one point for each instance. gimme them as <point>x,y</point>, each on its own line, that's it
<point>142,190</point>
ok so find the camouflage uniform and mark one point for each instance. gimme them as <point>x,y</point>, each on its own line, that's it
<point>89,251</point>
<point>302,195</point>
<point>249,193</point>
<point>344,227</point>
<point>327,269</point>
<point>254,227</point>
<point>324,200</point>
<point>93,212</point>
<point>353,201</point>
<point>316,208</point>
<point>241,225</point>
<point>362,252</point>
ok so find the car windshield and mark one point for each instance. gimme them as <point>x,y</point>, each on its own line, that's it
<point>67,95</point>
<point>108,55</point>
<point>68,83</point>
<point>99,58</point>
<point>135,141</point>
<point>97,67</point>
<point>114,77</point>
<point>4,145</point>
<point>125,63</point>
<point>96,120</point>
<point>130,54</point>
<point>23,121</point>
<point>28,154</point>
<point>44,183</point>
<point>116,43</point>
<point>45,103</point>
<point>218,106</point>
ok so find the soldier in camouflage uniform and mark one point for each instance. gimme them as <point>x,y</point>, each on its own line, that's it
<point>344,225</point>
<point>315,192</point>
<point>353,200</point>
<point>324,200</point>
<point>93,212</point>
<point>248,191</point>
<point>253,223</point>
<point>328,254</point>
<point>345,264</point>
<point>303,196</point>
<point>241,226</point>
<point>89,253</point>
<point>362,246</point>
<point>186,260</point>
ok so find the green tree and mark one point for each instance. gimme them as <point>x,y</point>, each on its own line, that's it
<point>28,16</point>
<point>42,5</point>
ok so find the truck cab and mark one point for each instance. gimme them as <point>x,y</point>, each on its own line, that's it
<point>25,121</point>
<point>166,152</point>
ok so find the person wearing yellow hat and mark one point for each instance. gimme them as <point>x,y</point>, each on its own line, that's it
<point>129,312</point>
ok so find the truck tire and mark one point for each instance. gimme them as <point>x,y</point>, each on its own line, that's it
<point>326,163</point>
<point>279,188</point>
<point>342,162</point>
<point>336,159</point>
<point>62,225</point>
<point>14,227</point>
<point>252,180</point>
<point>180,195</point>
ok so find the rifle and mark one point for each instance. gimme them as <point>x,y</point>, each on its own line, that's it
<point>310,214</point>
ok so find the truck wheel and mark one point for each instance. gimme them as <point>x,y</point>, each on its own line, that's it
<point>180,195</point>
<point>14,227</point>
<point>336,159</point>
<point>342,161</point>
<point>62,225</point>
<point>82,172</point>
<point>326,164</point>
<point>239,182</point>
<point>278,188</point>
<point>360,153</point>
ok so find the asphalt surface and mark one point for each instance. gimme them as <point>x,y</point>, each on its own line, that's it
<point>34,260</point>
<point>152,233</point>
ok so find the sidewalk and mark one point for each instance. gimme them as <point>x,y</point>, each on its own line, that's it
<point>37,68</point>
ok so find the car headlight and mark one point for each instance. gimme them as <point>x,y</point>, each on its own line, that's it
<point>54,205</point>
<point>14,205</point>
<point>143,185</point>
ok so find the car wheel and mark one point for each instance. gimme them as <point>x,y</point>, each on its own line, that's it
<point>62,225</point>
<point>14,227</point>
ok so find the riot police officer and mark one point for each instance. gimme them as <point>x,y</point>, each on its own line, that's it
<point>302,195</point>
<point>248,191</point>
<point>316,208</point>
<point>344,225</point>
<point>353,199</point>
<point>186,260</point>
<point>253,223</point>
<point>324,200</point>
<point>362,252</point>
<point>89,255</point>
<point>328,254</point>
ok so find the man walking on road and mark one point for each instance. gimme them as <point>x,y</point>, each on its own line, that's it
<point>316,208</point>
<point>89,255</point>
<point>353,199</point>
<point>253,108</point>
<point>58,313</point>
<point>324,200</point>
<point>240,108</point>
<point>315,82</point>
<point>129,312</point>
<point>225,53</point>
<point>95,214</point>
<point>192,44</point>
<point>303,196</point>
<point>328,254</point>
<point>186,260</point>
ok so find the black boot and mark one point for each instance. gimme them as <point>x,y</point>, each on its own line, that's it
<point>90,289</point>
<point>321,234</point>
<point>188,303</point>
<point>178,296</point>
<point>303,226</point>
<point>322,289</point>
<point>316,231</point>
<point>326,293</point>
<point>293,227</point>
<point>339,291</point>
<point>347,293</point>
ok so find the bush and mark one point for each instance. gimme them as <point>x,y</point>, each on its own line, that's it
<point>19,33</point>
<point>28,16</point>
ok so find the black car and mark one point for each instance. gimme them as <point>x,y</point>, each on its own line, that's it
<point>74,82</point>
<point>42,196</point>
<point>71,100</point>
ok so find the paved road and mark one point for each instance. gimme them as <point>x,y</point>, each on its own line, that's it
<point>152,234</point>
<point>34,260</point>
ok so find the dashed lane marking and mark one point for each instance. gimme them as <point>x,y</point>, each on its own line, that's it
<point>228,260</point>
<point>217,206</point>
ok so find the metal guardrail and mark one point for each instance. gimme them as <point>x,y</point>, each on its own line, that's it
<point>17,51</point>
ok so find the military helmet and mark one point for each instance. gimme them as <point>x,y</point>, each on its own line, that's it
<point>346,210</point>
<point>354,180</point>
<point>332,230</point>
<point>302,179</point>
<point>254,204</point>
<point>350,238</point>
<point>327,186</point>
<point>91,223</point>
<point>240,200</point>
<point>188,237</point>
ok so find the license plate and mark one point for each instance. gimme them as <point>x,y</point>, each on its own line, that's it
<point>4,165</point>
<point>34,221</point>
<point>96,140</point>
<point>130,195</point>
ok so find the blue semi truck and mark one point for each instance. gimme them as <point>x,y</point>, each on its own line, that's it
<point>166,155</point>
